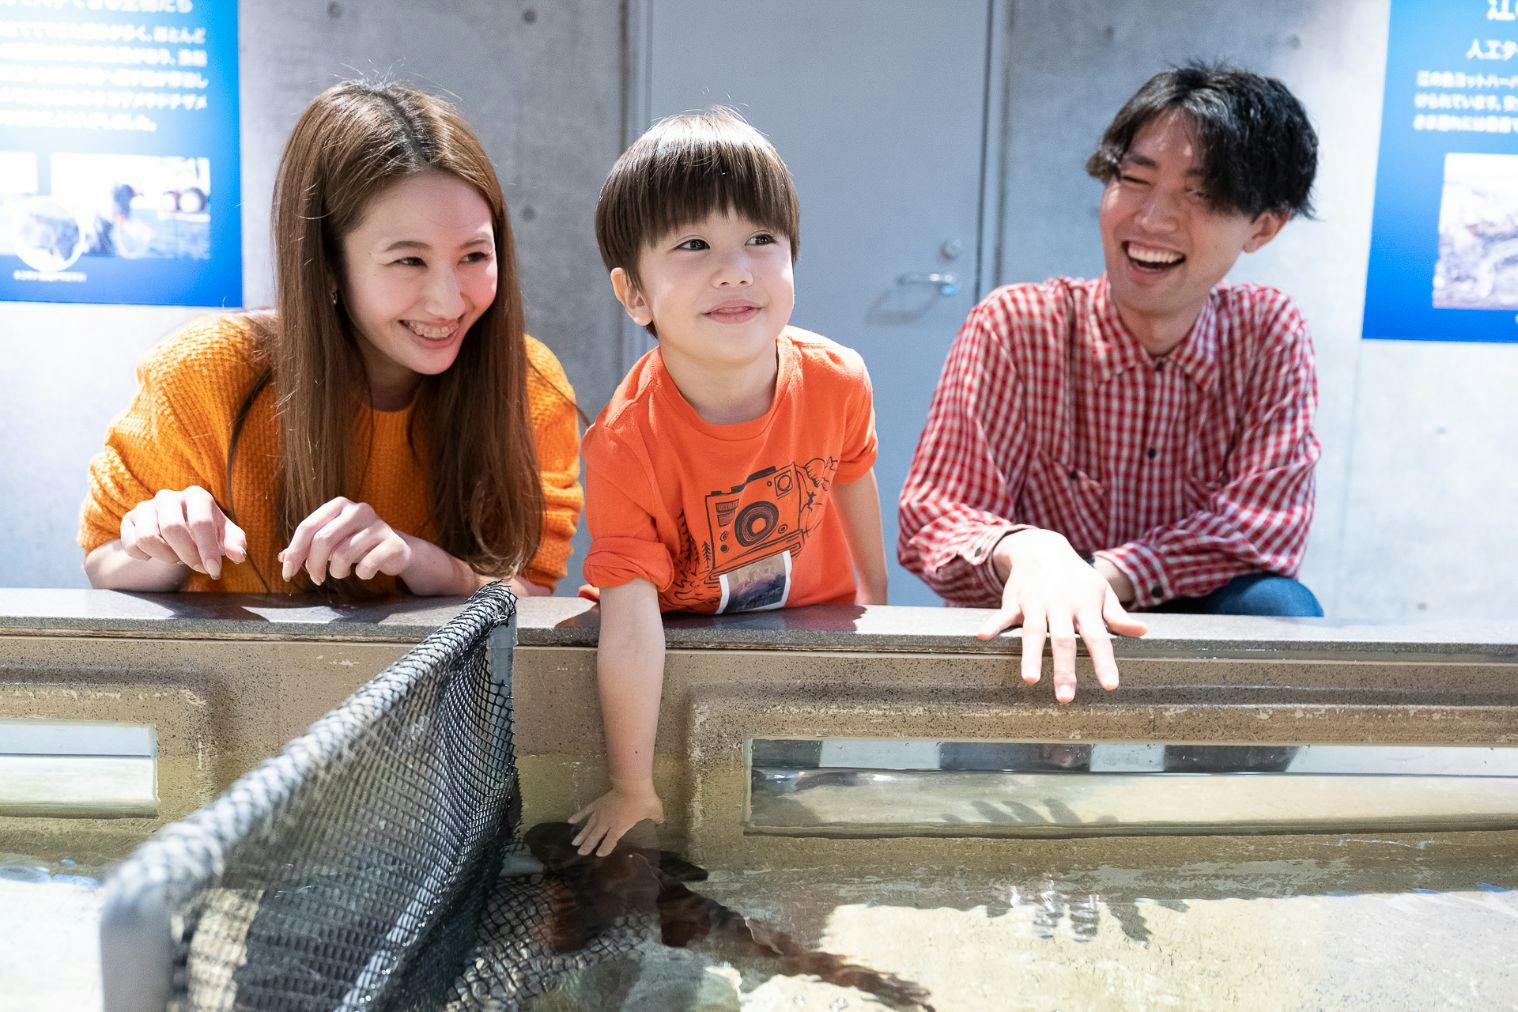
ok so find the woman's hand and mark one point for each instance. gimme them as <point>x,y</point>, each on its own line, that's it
<point>185,528</point>
<point>344,537</point>
<point>608,818</point>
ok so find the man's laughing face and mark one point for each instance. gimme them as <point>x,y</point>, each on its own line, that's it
<point>1165,245</point>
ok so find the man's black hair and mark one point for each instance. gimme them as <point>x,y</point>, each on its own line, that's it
<point>1258,150</point>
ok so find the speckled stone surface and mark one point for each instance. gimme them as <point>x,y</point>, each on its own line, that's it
<point>574,622</point>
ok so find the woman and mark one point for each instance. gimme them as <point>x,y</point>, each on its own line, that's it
<point>388,426</point>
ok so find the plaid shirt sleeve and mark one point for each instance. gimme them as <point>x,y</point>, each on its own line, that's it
<point>968,466</point>
<point>1258,519</point>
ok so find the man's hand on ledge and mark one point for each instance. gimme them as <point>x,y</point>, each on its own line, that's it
<point>1117,580</point>
<point>1057,596</point>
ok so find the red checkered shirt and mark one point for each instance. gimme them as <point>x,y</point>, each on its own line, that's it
<point>1183,471</point>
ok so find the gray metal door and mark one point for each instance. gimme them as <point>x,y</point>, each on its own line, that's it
<point>880,108</point>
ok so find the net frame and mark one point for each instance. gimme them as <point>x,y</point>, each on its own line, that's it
<point>348,871</point>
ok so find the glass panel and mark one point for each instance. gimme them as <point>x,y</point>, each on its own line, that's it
<point>911,787</point>
<point>78,769</point>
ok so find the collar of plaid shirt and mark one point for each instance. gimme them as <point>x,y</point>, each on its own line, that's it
<point>1113,348</point>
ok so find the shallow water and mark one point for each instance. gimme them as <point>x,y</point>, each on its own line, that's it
<point>49,917</point>
<point>1357,921</point>
<point>1266,934</point>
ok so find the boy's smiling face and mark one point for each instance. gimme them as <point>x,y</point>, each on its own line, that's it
<point>718,291</point>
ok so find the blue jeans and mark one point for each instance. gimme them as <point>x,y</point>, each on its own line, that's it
<point>1251,594</point>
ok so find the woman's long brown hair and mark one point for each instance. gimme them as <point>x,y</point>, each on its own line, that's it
<point>470,423</point>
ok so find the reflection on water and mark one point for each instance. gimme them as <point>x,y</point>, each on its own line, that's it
<point>49,912</point>
<point>1346,921</point>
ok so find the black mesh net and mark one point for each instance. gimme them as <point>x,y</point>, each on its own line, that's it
<point>353,869</point>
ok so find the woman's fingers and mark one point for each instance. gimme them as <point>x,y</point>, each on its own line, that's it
<point>294,555</point>
<point>389,556</point>
<point>349,521</point>
<point>591,835</point>
<point>202,518</point>
<point>346,555</point>
<point>184,527</point>
<point>169,514</point>
<point>140,538</point>
<point>234,541</point>
<point>344,538</point>
<point>614,834</point>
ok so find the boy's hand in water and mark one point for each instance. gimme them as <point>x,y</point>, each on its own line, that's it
<point>608,818</point>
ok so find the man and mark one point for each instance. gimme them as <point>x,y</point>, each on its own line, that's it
<point>1144,439</point>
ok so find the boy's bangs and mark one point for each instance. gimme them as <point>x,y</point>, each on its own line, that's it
<point>695,177</point>
<point>685,168</point>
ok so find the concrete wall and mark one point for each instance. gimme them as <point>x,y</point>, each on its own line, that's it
<point>1417,476</point>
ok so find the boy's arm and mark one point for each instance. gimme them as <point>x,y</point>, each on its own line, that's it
<point>630,673</point>
<point>859,507</point>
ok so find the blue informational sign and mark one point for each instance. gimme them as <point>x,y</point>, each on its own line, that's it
<point>1444,238</point>
<point>119,170</point>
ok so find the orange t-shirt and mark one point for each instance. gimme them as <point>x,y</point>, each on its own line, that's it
<point>724,518</point>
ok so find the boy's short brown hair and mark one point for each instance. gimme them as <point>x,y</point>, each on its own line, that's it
<point>684,168</point>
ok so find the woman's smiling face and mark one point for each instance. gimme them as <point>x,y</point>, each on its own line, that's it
<point>418,271</point>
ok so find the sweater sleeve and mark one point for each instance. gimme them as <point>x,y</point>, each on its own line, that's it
<point>556,430</point>
<point>149,446</point>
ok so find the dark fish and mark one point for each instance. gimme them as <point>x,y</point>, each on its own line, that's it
<point>640,880</point>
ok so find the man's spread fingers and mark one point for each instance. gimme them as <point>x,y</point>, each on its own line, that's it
<point>1118,619</point>
<point>1000,622</point>
<point>1033,644</point>
<point>1099,646</point>
<point>1062,640</point>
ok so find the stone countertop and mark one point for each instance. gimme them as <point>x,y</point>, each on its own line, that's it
<point>564,621</point>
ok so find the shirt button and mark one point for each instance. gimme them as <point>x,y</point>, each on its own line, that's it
<point>1159,367</point>
<point>1151,453</point>
<point>1156,591</point>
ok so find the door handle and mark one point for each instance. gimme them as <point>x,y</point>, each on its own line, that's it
<point>947,284</point>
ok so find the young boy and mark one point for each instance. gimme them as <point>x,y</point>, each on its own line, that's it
<point>733,468</point>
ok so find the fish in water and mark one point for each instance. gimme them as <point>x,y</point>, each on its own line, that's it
<point>632,880</point>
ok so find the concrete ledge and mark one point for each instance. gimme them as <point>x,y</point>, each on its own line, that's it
<point>573,622</point>
<point>266,667</point>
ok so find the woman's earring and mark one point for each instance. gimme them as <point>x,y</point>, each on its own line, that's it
<point>334,296</point>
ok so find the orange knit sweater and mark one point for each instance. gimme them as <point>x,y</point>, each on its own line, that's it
<point>177,431</point>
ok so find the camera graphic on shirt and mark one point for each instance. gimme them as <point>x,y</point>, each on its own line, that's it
<point>759,517</point>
